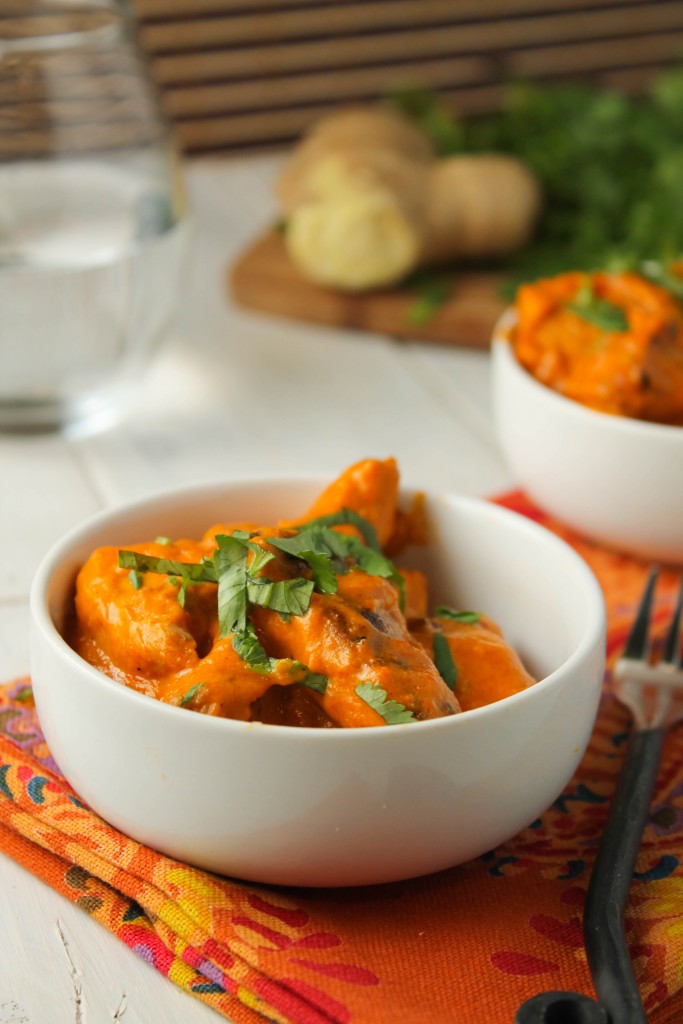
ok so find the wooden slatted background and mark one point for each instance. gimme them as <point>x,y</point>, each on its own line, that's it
<point>238,74</point>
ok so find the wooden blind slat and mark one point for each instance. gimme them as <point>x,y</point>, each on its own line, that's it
<point>649,50</point>
<point>397,46</point>
<point>366,17</point>
<point>332,86</point>
<point>159,11</point>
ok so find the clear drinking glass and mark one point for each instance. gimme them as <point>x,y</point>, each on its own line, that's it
<point>91,212</point>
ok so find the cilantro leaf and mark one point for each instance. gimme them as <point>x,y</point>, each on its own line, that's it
<point>314,681</point>
<point>202,572</point>
<point>247,645</point>
<point>319,540</point>
<point>391,711</point>
<point>598,312</point>
<point>313,547</point>
<point>260,559</point>
<point>443,659</point>
<point>324,576</point>
<point>292,597</point>
<point>135,578</point>
<point>442,611</point>
<point>345,517</point>
<point>190,695</point>
<point>230,561</point>
<point>432,295</point>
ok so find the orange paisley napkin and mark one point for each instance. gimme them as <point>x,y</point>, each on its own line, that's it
<point>465,946</point>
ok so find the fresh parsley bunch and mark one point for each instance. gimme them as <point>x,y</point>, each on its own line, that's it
<point>611,168</point>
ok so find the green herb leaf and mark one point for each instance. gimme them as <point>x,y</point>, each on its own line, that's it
<point>191,693</point>
<point>314,681</point>
<point>598,312</point>
<point>292,597</point>
<point>391,711</point>
<point>313,547</point>
<point>230,562</point>
<point>324,576</point>
<point>320,540</point>
<point>660,274</point>
<point>442,611</point>
<point>246,643</point>
<point>431,297</point>
<point>135,578</point>
<point>344,517</point>
<point>609,165</point>
<point>162,540</point>
<point>202,572</point>
<point>443,659</point>
<point>260,559</point>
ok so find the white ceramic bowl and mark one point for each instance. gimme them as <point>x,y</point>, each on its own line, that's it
<point>332,807</point>
<point>615,480</point>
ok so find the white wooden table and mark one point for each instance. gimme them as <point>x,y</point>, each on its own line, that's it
<point>229,394</point>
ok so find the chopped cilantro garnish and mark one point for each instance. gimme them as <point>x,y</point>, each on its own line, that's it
<point>291,597</point>
<point>135,578</point>
<point>230,561</point>
<point>442,611</point>
<point>162,540</point>
<point>314,681</point>
<point>203,572</point>
<point>329,553</point>
<point>247,645</point>
<point>432,295</point>
<point>391,711</point>
<point>345,517</point>
<point>191,694</point>
<point>597,311</point>
<point>443,659</point>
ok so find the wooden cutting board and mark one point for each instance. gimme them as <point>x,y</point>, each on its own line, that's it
<point>263,278</point>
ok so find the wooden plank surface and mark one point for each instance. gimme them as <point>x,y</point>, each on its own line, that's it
<point>264,279</point>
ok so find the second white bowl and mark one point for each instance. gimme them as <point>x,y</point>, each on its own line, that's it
<point>616,480</point>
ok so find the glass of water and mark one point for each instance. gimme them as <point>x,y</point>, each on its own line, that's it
<point>91,213</point>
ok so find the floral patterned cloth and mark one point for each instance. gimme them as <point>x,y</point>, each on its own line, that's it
<point>465,946</point>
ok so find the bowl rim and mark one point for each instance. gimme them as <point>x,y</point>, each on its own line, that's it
<point>502,348</point>
<point>593,636</point>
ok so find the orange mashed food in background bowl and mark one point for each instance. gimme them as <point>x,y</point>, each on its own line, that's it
<point>611,341</point>
<point>306,624</point>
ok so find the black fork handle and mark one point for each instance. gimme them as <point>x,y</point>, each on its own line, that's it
<point>603,922</point>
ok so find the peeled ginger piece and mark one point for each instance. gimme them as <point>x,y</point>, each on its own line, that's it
<point>345,133</point>
<point>362,226</point>
<point>478,206</point>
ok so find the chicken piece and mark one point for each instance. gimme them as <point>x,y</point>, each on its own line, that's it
<point>359,635</point>
<point>369,488</point>
<point>140,626</point>
<point>488,669</point>
<point>416,594</point>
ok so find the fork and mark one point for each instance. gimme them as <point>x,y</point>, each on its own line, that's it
<point>653,693</point>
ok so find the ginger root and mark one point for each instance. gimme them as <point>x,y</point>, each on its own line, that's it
<point>367,202</point>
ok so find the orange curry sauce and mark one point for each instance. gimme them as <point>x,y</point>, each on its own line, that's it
<point>636,371</point>
<point>137,632</point>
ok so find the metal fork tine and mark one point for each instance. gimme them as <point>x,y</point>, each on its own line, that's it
<point>638,641</point>
<point>672,648</point>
